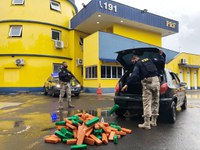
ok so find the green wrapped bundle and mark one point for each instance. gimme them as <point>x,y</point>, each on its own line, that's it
<point>113,109</point>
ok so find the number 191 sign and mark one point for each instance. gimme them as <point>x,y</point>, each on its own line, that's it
<point>108,6</point>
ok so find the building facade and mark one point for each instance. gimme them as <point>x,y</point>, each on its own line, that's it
<point>37,36</point>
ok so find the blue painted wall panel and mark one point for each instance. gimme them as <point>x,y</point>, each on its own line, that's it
<point>94,90</point>
<point>83,14</point>
<point>110,43</point>
<point>17,89</point>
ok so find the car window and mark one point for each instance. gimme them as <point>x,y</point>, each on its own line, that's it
<point>49,79</point>
<point>56,79</point>
<point>174,80</point>
<point>177,79</point>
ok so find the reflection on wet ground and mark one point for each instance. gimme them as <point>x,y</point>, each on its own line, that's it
<point>30,121</point>
<point>190,96</point>
<point>193,99</point>
<point>99,112</point>
<point>12,127</point>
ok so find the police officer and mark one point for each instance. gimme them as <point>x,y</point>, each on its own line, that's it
<point>65,77</point>
<point>146,71</point>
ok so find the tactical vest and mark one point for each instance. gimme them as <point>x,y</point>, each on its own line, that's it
<point>148,68</point>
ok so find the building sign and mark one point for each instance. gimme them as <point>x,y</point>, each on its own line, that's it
<point>108,6</point>
<point>170,24</point>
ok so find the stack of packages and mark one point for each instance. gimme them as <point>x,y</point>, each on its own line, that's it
<point>83,128</point>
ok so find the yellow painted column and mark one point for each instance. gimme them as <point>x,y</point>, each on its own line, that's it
<point>198,78</point>
<point>185,75</point>
<point>192,78</point>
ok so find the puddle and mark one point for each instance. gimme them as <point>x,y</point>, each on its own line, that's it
<point>18,124</point>
<point>12,127</point>
<point>61,114</point>
<point>7,104</point>
<point>193,96</point>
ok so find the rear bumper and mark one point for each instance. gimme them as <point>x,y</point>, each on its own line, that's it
<point>135,104</point>
<point>73,91</point>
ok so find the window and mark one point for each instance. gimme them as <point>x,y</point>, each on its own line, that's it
<point>81,41</point>
<point>18,2</point>
<point>73,13</point>
<point>15,31</point>
<point>55,5</point>
<point>91,72</point>
<point>111,72</point>
<point>56,67</point>
<point>49,79</point>
<point>56,35</point>
<point>175,80</point>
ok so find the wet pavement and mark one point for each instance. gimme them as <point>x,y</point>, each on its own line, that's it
<point>26,118</point>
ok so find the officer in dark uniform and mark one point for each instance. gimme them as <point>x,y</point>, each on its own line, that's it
<point>65,76</point>
<point>145,71</point>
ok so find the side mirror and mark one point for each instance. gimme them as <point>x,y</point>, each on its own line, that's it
<point>183,84</point>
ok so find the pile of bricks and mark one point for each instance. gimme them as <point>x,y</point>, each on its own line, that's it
<point>84,129</point>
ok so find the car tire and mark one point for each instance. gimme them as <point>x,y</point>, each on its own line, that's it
<point>120,112</point>
<point>77,94</point>
<point>45,92</point>
<point>172,113</point>
<point>53,94</point>
<point>184,106</point>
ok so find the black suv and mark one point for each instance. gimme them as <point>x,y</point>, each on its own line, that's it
<point>172,91</point>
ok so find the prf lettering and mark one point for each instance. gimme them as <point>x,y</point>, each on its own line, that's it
<point>145,60</point>
<point>170,24</point>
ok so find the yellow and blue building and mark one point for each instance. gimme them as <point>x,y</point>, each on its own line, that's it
<point>36,36</point>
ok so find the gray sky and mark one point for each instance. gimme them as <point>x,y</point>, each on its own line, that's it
<point>187,12</point>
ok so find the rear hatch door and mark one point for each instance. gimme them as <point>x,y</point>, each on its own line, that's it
<point>124,56</point>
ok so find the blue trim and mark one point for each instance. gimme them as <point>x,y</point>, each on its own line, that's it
<point>18,89</point>
<point>108,60</point>
<point>33,21</point>
<point>94,90</point>
<point>110,43</point>
<point>124,12</point>
<point>74,5</point>
<point>36,55</point>
<point>83,14</point>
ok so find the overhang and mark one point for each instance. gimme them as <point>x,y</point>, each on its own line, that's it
<point>100,14</point>
<point>189,66</point>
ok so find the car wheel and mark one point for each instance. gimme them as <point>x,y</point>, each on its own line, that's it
<point>45,91</point>
<point>184,106</point>
<point>172,113</point>
<point>77,94</point>
<point>120,112</point>
<point>53,94</point>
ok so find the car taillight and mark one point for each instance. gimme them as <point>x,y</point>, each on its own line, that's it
<point>163,88</point>
<point>117,88</point>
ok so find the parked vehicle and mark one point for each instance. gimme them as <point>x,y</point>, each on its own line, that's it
<point>52,86</point>
<point>172,91</point>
